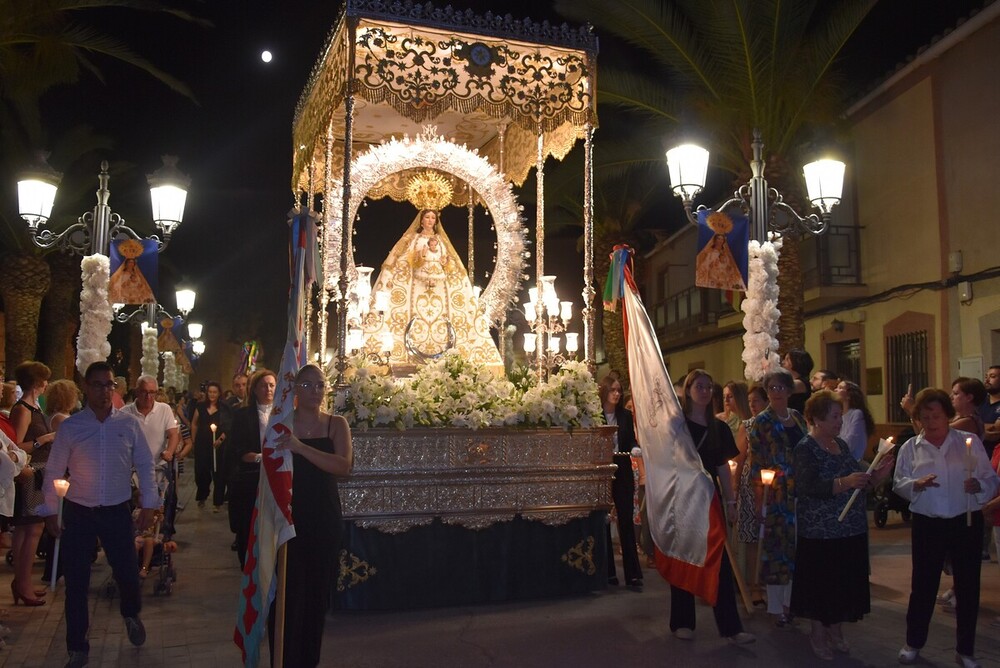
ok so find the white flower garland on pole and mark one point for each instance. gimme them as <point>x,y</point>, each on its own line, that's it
<point>171,372</point>
<point>95,313</point>
<point>150,355</point>
<point>760,340</point>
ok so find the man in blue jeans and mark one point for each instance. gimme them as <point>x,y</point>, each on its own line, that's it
<point>99,446</point>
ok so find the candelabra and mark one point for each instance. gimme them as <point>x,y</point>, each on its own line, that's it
<point>366,314</point>
<point>548,319</point>
<point>688,165</point>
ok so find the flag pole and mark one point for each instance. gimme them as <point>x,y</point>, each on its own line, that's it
<point>278,660</point>
<point>740,582</point>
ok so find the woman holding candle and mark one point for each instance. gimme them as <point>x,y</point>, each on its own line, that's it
<point>715,445</point>
<point>831,556</point>
<point>747,524</point>
<point>773,434</point>
<point>209,427</point>
<point>946,477</point>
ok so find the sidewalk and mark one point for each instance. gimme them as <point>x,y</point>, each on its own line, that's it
<point>193,626</point>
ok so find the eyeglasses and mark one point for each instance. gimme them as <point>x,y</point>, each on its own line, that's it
<point>307,386</point>
<point>778,388</point>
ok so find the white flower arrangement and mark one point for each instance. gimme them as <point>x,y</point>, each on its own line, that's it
<point>760,308</point>
<point>150,361</point>
<point>171,372</point>
<point>452,392</point>
<point>95,313</point>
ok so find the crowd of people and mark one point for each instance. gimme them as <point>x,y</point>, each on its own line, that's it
<point>121,489</point>
<point>804,545</point>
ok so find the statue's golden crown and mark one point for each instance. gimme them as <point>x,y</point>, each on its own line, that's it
<point>429,190</point>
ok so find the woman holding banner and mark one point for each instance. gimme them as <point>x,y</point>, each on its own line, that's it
<point>715,445</point>
<point>320,444</point>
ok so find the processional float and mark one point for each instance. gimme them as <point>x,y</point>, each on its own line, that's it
<point>405,94</point>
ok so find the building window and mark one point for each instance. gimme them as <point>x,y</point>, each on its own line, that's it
<point>906,364</point>
<point>846,357</point>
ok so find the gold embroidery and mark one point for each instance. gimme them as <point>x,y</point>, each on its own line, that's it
<point>581,556</point>
<point>353,573</point>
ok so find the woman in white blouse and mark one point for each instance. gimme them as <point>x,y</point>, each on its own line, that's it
<point>946,476</point>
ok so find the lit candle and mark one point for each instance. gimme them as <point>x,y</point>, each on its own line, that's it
<point>732,467</point>
<point>885,446</point>
<point>766,477</point>
<point>969,464</point>
<point>62,486</point>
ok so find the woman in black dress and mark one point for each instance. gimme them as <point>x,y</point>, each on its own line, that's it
<point>212,411</point>
<point>714,442</point>
<point>623,484</point>
<point>243,464</point>
<point>320,444</point>
<point>34,436</point>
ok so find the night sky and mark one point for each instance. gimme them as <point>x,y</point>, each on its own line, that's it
<point>235,141</point>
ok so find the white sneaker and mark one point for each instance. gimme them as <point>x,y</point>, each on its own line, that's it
<point>908,655</point>
<point>684,634</point>
<point>742,638</point>
<point>966,661</point>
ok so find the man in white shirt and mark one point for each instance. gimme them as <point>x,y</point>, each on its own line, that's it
<point>158,425</point>
<point>99,446</point>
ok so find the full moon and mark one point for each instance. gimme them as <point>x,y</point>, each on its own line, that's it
<point>265,56</point>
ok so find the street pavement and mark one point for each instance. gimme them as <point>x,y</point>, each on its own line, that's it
<point>193,626</point>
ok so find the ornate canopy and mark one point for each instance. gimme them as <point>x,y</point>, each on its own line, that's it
<point>505,94</point>
<point>474,76</point>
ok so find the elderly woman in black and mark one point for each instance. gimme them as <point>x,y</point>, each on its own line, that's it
<point>623,484</point>
<point>243,454</point>
<point>831,559</point>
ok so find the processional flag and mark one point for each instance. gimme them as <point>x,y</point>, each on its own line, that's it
<point>272,525</point>
<point>685,514</point>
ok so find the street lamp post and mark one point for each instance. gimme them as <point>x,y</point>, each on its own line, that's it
<point>154,311</point>
<point>91,237</point>
<point>768,213</point>
<point>94,230</point>
<point>688,165</point>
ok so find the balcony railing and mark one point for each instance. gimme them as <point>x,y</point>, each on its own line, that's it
<point>833,258</point>
<point>690,309</point>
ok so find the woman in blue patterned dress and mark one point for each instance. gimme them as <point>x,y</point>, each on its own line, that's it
<point>831,561</point>
<point>773,434</point>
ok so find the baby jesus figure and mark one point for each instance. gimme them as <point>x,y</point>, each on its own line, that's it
<point>432,262</point>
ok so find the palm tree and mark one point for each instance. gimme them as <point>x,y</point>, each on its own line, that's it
<point>627,175</point>
<point>44,44</point>
<point>726,68</point>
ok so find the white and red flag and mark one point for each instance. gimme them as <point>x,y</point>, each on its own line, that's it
<point>272,525</point>
<point>685,514</point>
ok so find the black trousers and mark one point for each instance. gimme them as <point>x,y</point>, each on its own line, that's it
<point>727,617</point>
<point>623,493</point>
<point>933,539</point>
<point>83,526</point>
<point>208,476</point>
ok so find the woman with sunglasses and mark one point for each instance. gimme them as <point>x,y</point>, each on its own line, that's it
<point>320,444</point>
<point>773,434</point>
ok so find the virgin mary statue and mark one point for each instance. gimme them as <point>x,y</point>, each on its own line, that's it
<point>432,307</point>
